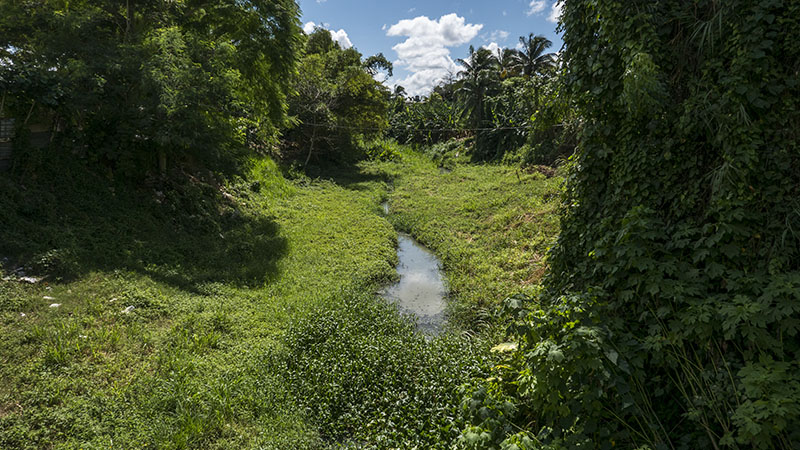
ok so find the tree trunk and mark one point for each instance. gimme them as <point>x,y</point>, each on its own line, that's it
<point>129,20</point>
<point>310,147</point>
<point>162,163</point>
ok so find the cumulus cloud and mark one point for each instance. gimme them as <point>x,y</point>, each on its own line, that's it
<point>341,37</point>
<point>338,36</point>
<point>498,35</point>
<point>535,7</point>
<point>493,47</point>
<point>425,52</point>
<point>555,12</point>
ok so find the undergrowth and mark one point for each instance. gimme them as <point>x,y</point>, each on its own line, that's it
<point>491,225</point>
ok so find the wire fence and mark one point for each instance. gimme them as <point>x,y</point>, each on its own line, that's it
<point>410,128</point>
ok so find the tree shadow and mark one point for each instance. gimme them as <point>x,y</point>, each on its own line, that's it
<point>347,174</point>
<point>185,235</point>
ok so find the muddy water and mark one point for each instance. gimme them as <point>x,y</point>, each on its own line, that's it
<point>421,290</point>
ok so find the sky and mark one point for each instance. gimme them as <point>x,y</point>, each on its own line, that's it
<point>423,39</point>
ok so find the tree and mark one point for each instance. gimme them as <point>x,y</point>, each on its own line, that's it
<point>510,63</point>
<point>669,315</point>
<point>337,104</point>
<point>532,56</point>
<point>378,62</point>
<point>478,73</point>
<point>201,80</point>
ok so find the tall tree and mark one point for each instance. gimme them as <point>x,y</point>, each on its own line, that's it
<point>478,73</point>
<point>337,104</point>
<point>532,56</point>
<point>199,79</point>
<point>510,62</point>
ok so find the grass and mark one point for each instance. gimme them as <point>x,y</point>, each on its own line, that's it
<point>254,320</point>
<point>195,363</point>
<point>491,225</point>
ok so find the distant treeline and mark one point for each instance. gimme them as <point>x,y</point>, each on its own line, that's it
<point>509,105</point>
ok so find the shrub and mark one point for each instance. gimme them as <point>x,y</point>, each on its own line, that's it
<point>670,313</point>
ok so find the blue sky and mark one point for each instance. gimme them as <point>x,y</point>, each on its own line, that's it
<point>424,38</point>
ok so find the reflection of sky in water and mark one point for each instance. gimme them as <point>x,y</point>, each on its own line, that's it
<point>421,288</point>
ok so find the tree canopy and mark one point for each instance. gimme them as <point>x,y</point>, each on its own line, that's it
<point>194,79</point>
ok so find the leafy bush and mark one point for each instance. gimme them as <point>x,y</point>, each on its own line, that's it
<point>364,375</point>
<point>670,313</point>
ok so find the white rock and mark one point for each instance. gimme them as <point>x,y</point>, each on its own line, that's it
<point>128,310</point>
<point>30,280</point>
<point>23,315</point>
<point>55,305</point>
<point>47,297</point>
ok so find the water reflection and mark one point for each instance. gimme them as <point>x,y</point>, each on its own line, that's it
<point>421,290</point>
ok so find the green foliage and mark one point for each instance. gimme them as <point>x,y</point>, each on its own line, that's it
<point>425,122</point>
<point>490,225</point>
<point>368,379</point>
<point>198,362</point>
<point>337,105</point>
<point>198,82</point>
<point>669,317</point>
<point>502,101</point>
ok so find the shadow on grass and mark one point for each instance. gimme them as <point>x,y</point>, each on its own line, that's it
<point>184,234</point>
<point>346,174</point>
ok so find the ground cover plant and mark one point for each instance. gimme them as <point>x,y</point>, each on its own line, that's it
<point>237,327</point>
<point>192,364</point>
<point>491,225</point>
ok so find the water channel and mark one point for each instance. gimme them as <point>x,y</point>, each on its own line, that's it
<point>421,290</point>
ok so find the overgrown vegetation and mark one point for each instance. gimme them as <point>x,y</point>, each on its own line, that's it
<point>198,82</point>
<point>669,317</point>
<point>164,285</point>
<point>337,106</point>
<point>511,104</point>
<point>490,224</point>
<point>197,361</point>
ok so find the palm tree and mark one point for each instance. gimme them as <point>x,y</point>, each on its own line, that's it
<point>534,60</point>
<point>510,62</point>
<point>477,75</point>
<point>532,56</point>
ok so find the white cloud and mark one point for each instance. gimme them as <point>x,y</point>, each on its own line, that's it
<point>338,36</point>
<point>498,35</point>
<point>424,53</point>
<point>536,6</point>
<point>555,12</point>
<point>493,47</point>
<point>341,37</point>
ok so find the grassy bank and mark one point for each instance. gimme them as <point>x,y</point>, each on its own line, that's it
<point>490,224</point>
<point>196,361</point>
<point>244,315</point>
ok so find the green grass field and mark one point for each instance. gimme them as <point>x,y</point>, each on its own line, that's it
<point>255,322</point>
<point>491,225</point>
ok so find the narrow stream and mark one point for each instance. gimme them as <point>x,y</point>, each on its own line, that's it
<point>421,290</point>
